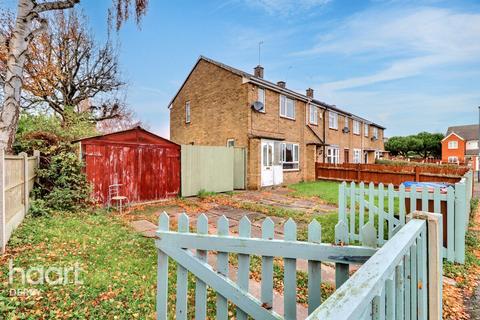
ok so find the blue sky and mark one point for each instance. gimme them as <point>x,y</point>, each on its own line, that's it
<point>409,65</point>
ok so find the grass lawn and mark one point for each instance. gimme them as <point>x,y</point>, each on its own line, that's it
<point>118,269</point>
<point>325,190</point>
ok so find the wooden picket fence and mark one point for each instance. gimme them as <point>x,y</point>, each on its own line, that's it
<point>403,280</point>
<point>382,274</point>
<point>373,215</point>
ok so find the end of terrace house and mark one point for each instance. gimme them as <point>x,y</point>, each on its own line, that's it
<point>284,132</point>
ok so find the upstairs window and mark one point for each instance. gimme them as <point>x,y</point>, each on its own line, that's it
<point>346,122</point>
<point>365,130</point>
<point>452,144</point>
<point>356,127</point>
<point>333,120</point>
<point>287,107</point>
<point>313,114</point>
<point>472,144</point>
<point>375,132</point>
<point>289,156</point>
<point>261,98</point>
<point>187,112</point>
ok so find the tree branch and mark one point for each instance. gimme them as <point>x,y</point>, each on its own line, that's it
<point>56,5</point>
<point>43,26</point>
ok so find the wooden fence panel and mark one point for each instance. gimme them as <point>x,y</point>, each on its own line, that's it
<point>17,177</point>
<point>211,168</point>
<point>395,174</point>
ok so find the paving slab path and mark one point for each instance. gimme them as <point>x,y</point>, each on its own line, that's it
<point>282,198</point>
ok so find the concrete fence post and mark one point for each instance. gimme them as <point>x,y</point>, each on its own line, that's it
<point>36,154</point>
<point>435,260</point>
<point>3,220</point>
<point>25,181</point>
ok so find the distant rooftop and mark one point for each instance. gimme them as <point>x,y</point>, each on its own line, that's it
<point>467,132</point>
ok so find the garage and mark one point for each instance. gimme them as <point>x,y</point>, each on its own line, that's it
<point>134,164</point>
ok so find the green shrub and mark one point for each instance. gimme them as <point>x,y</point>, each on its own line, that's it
<point>38,208</point>
<point>62,184</point>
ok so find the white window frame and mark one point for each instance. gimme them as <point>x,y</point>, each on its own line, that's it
<point>284,104</point>
<point>471,145</point>
<point>452,159</point>
<point>453,145</point>
<point>365,129</point>
<point>333,120</point>
<point>187,112</point>
<point>231,143</point>
<point>346,123</point>
<point>357,155</point>
<point>295,156</point>
<point>356,127</point>
<point>313,115</point>
<point>333,155</point>
<point>261,98</point>
<point>375,132</point>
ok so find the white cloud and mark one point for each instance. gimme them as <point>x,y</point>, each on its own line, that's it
<point>414,40</point>
<point>286,7</point>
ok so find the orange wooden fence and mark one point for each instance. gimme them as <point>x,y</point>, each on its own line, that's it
<point>395,174</point>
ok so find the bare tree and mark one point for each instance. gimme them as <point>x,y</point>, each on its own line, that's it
<point>65,67</point>
<point>126,121</point>
<point>28,24</point>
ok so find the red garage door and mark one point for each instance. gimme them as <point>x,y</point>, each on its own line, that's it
<point>146,169</point>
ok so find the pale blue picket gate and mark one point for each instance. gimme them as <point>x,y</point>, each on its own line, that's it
<point>189,250</point>
<point>403,280</point>
<point>363,209</point>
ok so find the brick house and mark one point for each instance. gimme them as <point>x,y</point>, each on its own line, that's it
<point>284,132</point>
<point>460,145</point>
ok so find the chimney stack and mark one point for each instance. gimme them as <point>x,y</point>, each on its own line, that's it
<point>310,93</point>
<point>258,71</point>
<point>281,84</point>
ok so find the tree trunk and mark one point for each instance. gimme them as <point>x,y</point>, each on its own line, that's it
<point>27,11</point>
<point>18,45</point>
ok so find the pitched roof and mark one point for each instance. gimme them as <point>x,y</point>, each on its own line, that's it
<point>274,86</point>
<point>117,133</point>
<point>467,132</point>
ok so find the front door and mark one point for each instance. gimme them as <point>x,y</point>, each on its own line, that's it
<point>267,163</point>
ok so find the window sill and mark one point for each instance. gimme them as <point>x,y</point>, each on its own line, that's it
<point>336,129</point>
<point>288,118</point>
<point>313,124</point>
<point>290,170</point>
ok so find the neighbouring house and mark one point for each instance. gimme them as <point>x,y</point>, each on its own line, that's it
<point>284,132</point>
<point>460,145</point>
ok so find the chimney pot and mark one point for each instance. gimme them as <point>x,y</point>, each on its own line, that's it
<point>258,71</point>
<point>310,93</point>
<point>281,84</point>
